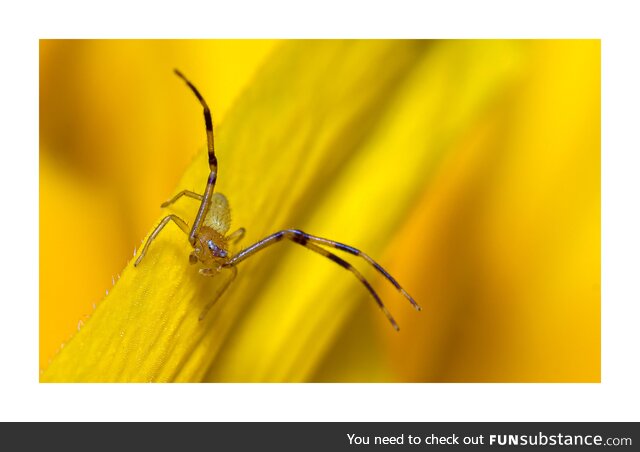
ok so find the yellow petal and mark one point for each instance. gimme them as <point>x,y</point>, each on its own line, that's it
<point>282,143</point>
<point>503,248</point>
<point>117,133</point>
<point>464,167</point>
<point>363,204</point>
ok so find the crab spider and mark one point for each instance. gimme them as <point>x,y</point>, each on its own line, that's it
<point>210,242</point>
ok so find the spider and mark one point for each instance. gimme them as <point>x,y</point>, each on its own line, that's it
<point>210,243</point>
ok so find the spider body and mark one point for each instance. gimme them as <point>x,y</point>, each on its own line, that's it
<point>210,242</point>
<point>211,246</point>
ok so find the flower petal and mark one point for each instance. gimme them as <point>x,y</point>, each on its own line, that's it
<point>285,139</point>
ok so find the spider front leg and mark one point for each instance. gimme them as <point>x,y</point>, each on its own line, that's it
<point>213,272</point>
<point>176,219</point>
<point>308,241</point>
<point>357,252</point>
<point>187,193</point>
<point>346,265</point>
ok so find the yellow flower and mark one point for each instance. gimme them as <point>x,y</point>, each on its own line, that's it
<point>469,169</point>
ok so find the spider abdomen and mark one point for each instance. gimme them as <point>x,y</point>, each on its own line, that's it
<point>218,215</point>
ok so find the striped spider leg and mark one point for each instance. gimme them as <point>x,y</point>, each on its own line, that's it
<point>210,242</point>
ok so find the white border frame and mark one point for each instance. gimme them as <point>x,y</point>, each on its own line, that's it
<point>615,399</point>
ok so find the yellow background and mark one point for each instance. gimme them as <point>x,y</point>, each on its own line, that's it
<point>501,246</point>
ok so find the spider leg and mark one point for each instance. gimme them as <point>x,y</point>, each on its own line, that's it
<point>303,239</point>
<point>211,272</point>
<point>236,236</point>
<point>357,252</point>
<point>347,266</point>
<point>188,193</point>
<point>213,162</point>
<point>176,219</point>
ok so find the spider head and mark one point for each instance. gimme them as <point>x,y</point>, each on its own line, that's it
<point>210,248</point>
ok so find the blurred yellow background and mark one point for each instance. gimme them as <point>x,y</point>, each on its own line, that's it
<point>500,245</point>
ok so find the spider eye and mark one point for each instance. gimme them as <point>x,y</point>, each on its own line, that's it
<point>216,250</point>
